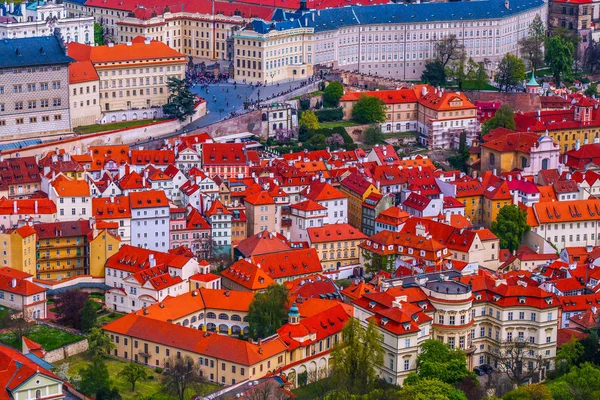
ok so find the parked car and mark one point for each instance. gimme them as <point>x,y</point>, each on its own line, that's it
<point>479,371</point>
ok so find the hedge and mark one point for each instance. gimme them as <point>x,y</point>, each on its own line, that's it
<point>329,114</point>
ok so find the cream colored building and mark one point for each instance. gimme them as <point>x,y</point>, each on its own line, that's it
<point>274,56</point>
<point>133,75</point>
<point>84,88</point>
<point>192,34</point>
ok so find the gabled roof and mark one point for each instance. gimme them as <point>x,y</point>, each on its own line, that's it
<point>133,259</point>
<point>135,51</point>
<point>247,275</point>
<point>66,187</point>
<point>224,154</point>
<point>263,243</point>
<point>334,233</point>
<point>27,206</point>
<point>33,51</point>
<point>289,263</point>
<point>16,369</point>
<point>51,230</point>
<point>82,71</point>
<point>322,191</point>
<point>148,199</point>
<point>111,208</point>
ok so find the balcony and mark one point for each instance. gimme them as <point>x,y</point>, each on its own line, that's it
<point>286,222</point>
<point>286,210</point>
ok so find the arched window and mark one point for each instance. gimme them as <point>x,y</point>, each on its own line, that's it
<point>186,322</point>
<point>38,394</point>
<point>492,159</point>
<point>211,315</point>
<point>274,126</point>
<point>224,316</point>
<point>193,319</point>
<point>523,162</point>
<point>545,163</point>
<point>201,316</point>
<point>236,317</point>
<point>245,318</point>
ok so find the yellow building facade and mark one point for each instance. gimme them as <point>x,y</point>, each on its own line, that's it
<point>19,249</point>
<point>102,245</point>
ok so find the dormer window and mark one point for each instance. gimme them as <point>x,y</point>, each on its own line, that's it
<point>372,304</point>
<point>522,300</point>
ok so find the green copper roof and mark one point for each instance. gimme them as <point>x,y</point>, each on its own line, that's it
<point>532,81</point>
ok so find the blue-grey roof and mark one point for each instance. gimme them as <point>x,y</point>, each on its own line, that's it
<point>334,18</point>
<point>80,286</point>
<point>30,52</point>
<point>40,361</point>
<point>19,145</point>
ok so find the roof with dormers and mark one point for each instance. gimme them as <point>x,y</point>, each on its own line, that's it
<point>247,275</point>
<point>334,233</point>
<point>289,263</point>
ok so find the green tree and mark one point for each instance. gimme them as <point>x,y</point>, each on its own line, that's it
<point>88,316</point>
<point>559,57</point>
<point>107,393</point>
<point>309,120</point>
<point>99,344</point>
<point>449,48</point>
<point>317,141</point>
<point>481,77</point>
<point>532,45</point>
<point>354,360</point>
<point>430,389</point>
<point>132,373</point>
<point>372,135</point>
<point>583,382</point>
<point>510,226</point>
<point>592,90</point>
<point>434,73</point>
<point>511,72</point>
<point>181,376</point>
<point>459,161</point>
<point>98,34</point>
<point>332,94</point>
<point>536,391</point>
<point>568,355</point>
<point>369,109</point>
<point>94,377</point>
<point>181,100</point>
<point>504,117</point>
<point>438,361</point>
<point>267,311</point>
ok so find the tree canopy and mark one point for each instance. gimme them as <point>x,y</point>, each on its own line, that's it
<point>132,373</point>
<point>372,135</point>
<point>434,73</point>
<point>332,94</point>
<point>98,34</point>
<point>448,49</point>
<point>532,46</point>
<point>369,109</point>
<point>511,72</point>
<point>181,375</point>
<point>559,57</point>
<point>88,316</point>
<point>504,117</point>
<point>268,311</point>
<point>94,377</point>
<point>181,100</point>
<point>309,120</point>
<point>69,305</point>
<point>510,226</point>
<point>430,389</point>
<point>438,361</point>
<point>355,358</point>
<point>99,344</point>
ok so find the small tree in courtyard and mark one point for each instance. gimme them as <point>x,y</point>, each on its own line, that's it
<point>181,100</point>
<point>510,226</point>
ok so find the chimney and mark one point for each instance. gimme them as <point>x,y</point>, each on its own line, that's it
<point>424,91</point>
<point>112,199</point>
<point>35,207</point>
<point>128,44</point>
<point>14,283</point>
<point>152,260</point>
<point>15,209</point>
<point>577,144</point>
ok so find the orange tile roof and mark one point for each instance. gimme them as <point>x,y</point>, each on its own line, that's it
<point>16,369</point>
<point>157,157</point>
<point>132,259</point>
<point>260,198</point>
<point>112,208</point>
<point>137,51</point>
<point>322,191</point>
<point>101,155</point>
<point>66,187</point>
<point>289,263</point>
<point>308,205</point>
<point>147,199</point>
<point>22,286</point>
<point>262,243</point>
<point>446,100</point>
<point>567,211</point>
<point>334,233</point>
<point>82,71</point>
<point>26,206</point>
<point>247,275</point>
<point>358,290</point>
<point>213,345</point>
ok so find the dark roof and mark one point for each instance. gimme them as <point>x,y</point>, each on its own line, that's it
<point>334,18</point>
<point>27,52</point>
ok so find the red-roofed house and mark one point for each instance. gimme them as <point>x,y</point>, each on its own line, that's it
<point>139,277</point>
<point>84,86</point>
<point>18,292</point>
<point>149,63</point>
<point>18,212</point>
<point>337,246</point>
<point>225,159</point>
<point>288,265</point>
<point>326,195</point>
<point>72,198</point>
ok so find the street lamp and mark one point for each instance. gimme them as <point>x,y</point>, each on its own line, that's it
<point>258,95</point>
<point>272,74</point>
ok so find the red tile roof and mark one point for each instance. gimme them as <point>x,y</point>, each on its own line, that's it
<point>213,345</point>
<point>133,259</point>
<point>111,208</point>
<point>400,96</point>
<point>27,206</point>
<point>223,154</point>
<point>16,369</point>
<point>82,71</point>
<point>334,233</point>
<point>137,50</point>
<point>289,263</point>
<point>148,199</point>
<point>247,275</point>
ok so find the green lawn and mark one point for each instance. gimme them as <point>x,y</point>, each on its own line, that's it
<point>335,124</point>
<point>146,389</point>
<point>86,129</point>
<point>472,85</point>
<point>400,135</point>
<point>311,94</point>
<point>314,390</point>
<point>49,338</point>
<point>107,317</point>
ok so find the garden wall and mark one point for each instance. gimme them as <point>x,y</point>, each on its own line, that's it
<point>66,351</point>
